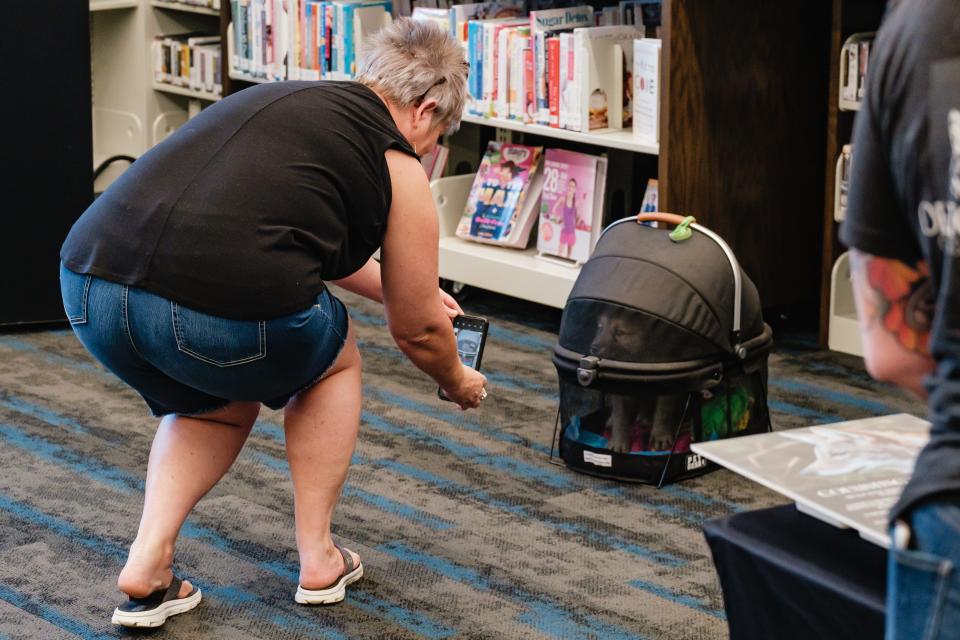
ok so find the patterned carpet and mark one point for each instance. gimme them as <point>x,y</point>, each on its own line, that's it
<point>466,529</point>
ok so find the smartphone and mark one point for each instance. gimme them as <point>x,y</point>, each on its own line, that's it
<point>471,333</point>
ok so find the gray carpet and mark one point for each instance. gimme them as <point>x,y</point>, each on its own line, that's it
<point>465,527</point>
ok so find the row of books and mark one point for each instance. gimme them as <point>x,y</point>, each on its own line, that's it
<point>856,59</point>
<point>555,68</point>
<point>188,60</point>
<point>303,39</point>
<point>519,187</point>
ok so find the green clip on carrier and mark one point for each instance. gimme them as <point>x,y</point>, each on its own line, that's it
<point>662,343</point>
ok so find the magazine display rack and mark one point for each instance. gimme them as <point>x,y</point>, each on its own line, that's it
<point>512,272</point>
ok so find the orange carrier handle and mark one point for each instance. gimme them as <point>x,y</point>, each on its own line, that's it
<point>660,216</point>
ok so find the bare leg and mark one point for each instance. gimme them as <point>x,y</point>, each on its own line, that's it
<point>189,455</point>
<point>321,427</point>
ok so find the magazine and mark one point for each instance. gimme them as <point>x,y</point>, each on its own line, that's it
<point>501,207</point>
<point>435,162</point>
<point>571,208</point>
<point>848,474</point>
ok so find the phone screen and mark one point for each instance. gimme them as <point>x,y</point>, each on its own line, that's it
<point>468,345</point>
<point>471,333</point>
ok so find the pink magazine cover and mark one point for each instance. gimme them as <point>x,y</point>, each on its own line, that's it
<point>566,205</point>
<point>500,207</point>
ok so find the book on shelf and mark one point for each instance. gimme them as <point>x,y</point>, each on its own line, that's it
<point>571,204</point>
<point>503,202</point>
<point>187,60</point>
<point>303,39</point>
<point>598,69</point>
<point>843,182</point>
<point>855,59</point>
<point>646,90</point>
<point>462,14</point>
<point>435,162</point>
<point>544,24</point>
<point>651,201</point>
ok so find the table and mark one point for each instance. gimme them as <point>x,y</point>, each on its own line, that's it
<point>786,575</point>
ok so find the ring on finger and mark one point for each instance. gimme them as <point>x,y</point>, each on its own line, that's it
<point>483,394</point>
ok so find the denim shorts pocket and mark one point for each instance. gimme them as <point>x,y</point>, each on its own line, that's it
<point>75,289</point>
<point>218,341</point>
<point>920,582</point>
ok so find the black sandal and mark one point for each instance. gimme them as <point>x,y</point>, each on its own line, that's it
<point>154,609</point>
<point>337,591</point>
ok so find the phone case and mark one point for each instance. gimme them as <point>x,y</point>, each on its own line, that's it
<point>475,323</point>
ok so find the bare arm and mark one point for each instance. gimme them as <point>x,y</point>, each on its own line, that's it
<point>895,307</point>
<point>365,282</point>
<point>411,299</point>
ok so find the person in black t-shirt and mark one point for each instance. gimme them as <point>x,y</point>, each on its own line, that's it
<point>198,278</point>
<point>902,225</point>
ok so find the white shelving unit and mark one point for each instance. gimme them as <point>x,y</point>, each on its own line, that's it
<point>622,139</point>
<point>513,272</point>
<point>129,114</point>
<point>856,38</point>
<point>185,91</point>
<point>188,8</point>
<point>840,184</point>
<point>844,328</point>
<point>108,5</point>
<point>239,75</point>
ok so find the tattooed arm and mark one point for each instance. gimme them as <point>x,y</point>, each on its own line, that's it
<point>895,305</point>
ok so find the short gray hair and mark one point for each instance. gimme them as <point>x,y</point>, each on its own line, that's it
<point>411,60</point>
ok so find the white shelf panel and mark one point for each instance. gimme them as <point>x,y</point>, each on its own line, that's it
<point>107,5</point>
<point>843,333</point>
<point>848,105</point>
<point>240,75</point>
<point>508,271</point>
<point>614,139</point>
<point>188,8</point>
<point>185,91</point>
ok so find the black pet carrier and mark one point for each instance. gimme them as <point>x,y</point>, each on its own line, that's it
<point>661,344</point>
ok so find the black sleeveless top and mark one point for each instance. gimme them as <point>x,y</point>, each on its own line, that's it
<point>251,205</point>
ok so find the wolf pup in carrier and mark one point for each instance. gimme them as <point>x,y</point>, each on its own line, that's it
<point>662,343</point>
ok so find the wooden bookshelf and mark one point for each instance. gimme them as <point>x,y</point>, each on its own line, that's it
<point>847,17</point>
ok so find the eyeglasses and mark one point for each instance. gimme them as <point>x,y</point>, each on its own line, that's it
<point>429,89</point>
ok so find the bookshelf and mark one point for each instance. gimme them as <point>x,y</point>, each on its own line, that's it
<point>131,113</point>
<point>109,5</point>
<point>188,8</point>
<point>741,132</point>
<point>610,140</point>
<point>849,20</point>
<point>185,91</point>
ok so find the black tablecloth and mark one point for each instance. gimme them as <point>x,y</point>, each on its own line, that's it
<point>787,575</point>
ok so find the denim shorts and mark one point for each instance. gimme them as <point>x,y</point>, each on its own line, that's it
<point>187,362</point>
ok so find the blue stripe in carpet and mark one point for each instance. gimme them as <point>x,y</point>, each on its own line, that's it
<point>25,407</point>
<point>107,475</point>
<point>230,596</point>
<point>838,397</point>
<point>50,614</point>
<point>802,412</point>
<point>542,614</point>
<point>685,600</point>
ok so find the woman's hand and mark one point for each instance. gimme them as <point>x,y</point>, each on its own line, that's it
<point>450,306</point>
<point>470,391</point>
